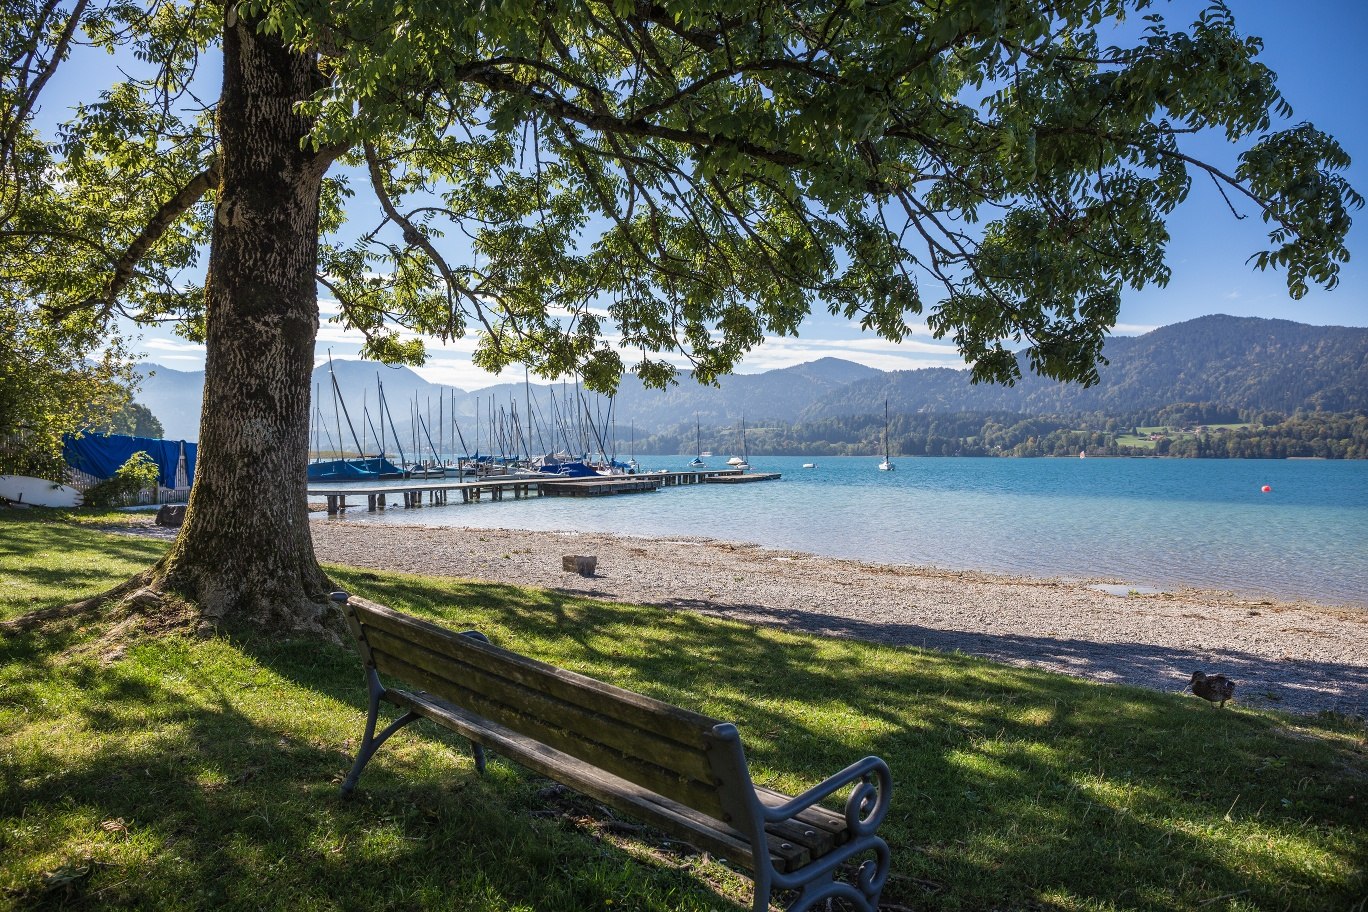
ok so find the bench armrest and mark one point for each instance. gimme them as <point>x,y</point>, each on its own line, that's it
<point>865,808</point>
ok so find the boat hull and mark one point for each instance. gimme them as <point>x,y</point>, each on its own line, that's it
<point>38,492</point>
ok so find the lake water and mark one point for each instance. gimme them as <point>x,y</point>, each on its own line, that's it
<point>1144,522</point>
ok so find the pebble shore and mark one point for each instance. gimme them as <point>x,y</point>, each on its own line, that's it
<point>1297,657</point>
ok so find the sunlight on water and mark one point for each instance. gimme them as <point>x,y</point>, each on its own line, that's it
<point>1147,522</point>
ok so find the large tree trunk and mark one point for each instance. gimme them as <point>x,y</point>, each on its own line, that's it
<point>245,551</point>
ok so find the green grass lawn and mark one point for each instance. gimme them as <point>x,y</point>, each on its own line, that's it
<point>174,773</point>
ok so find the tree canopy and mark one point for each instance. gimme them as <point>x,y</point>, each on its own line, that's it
<point>598,185</point>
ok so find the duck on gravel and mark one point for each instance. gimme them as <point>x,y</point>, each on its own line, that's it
<point>1216,688</point>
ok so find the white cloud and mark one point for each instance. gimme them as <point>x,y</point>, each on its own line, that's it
<point>174,345</point>
<point>1133,329</point>
<point>463,374</point>
<point>871,351</point>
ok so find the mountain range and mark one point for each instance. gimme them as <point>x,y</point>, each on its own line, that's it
<point>1240,362</point>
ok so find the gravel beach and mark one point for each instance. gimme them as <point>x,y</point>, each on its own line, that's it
<point>1298,657</point>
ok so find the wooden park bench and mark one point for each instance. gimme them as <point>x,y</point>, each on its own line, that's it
<point>677,770</point>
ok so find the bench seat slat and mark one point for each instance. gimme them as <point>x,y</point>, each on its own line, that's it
<point>525,701</point>
<point>664,813</point>
<point>638,710</point>
<point>816,841</point>
<point>691,792</point>
<point>816,818</point>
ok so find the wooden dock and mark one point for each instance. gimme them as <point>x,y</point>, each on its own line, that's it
<point>743,478</point>
<point>415,493</point>
<point>598,487</point>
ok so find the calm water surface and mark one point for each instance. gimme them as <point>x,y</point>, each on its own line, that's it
<point>1147,522</point>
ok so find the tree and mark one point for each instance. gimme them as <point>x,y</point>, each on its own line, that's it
<point>136,420</point>
<point>573,180</point>
<point>50,387</point>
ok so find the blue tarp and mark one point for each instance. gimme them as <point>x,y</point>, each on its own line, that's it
<point>102,454</point>
<point>568,469</point>
<point>368,469</point>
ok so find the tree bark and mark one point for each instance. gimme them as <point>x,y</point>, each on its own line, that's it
<point>245,551</point>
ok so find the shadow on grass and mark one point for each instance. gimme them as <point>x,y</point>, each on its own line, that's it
<point>1012,785</point>
<point>38,558</point>
<point>203,774</point>
<point>1263,682</point>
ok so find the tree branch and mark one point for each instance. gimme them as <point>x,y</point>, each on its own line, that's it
<point>127,263</point>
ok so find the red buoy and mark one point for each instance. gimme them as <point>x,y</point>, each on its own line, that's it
<point>1267,489</point>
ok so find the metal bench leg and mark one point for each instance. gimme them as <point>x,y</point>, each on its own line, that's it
<point>371,742</point>
<point>862,895</point>
<point>764,889</point>
<point>476,750</point>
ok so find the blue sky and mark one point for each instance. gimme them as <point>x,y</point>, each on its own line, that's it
<point>1317,49</point>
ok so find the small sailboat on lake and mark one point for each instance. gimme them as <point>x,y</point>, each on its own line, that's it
<point>697,462</point>
<point>887,464</point>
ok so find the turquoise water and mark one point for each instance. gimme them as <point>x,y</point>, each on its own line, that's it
<point>1145,522</point>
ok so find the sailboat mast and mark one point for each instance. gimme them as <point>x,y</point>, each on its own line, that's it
<point>337,417</point>
<point>527,394</point>
<point>886,453</point>
<point>380,407</point>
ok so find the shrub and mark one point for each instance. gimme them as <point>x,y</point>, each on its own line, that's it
<point>135,475</point>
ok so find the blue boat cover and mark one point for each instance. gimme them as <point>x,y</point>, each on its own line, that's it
<point>101,455</point>
<point>354,469</point>
<point>567,469</point>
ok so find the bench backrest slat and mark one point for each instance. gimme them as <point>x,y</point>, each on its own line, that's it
<point>656,745</point>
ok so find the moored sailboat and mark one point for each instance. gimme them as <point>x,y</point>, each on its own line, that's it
<point>887,464</point>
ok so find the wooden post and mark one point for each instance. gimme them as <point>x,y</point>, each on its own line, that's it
<point>381,501</point>
<point>370,503</point>
<point>332,504</point>
<point>584,565</point>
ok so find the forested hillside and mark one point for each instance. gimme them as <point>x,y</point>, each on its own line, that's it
<point>1187,429</point>
<point>1242,362</point>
